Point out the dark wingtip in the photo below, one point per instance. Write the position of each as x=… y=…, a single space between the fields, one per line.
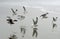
x=15 y=20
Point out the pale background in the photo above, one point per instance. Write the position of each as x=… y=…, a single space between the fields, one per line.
x=34 y=8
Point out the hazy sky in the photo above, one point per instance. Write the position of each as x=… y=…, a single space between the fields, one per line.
x=32 y=2
x=27 y=0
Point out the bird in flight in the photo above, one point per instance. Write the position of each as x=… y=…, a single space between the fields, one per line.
x=35 y=22
x=11 y=21
x=44 y=15
x=24 y=10
x=21 y=17
x=13 y=37
x=14 y=12
x=55 y=19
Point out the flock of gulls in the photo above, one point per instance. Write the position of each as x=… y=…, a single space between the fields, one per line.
x=35 y=25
